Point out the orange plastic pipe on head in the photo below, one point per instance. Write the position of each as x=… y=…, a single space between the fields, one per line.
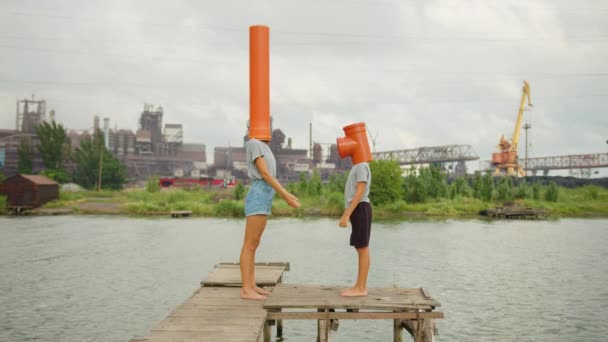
x=259 y=84
x=355 y=143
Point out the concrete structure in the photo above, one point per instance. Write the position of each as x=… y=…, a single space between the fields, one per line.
x=30 y=113
x=232 y=162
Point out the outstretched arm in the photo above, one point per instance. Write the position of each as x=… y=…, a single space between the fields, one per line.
x=289 y=198
x=353 y=204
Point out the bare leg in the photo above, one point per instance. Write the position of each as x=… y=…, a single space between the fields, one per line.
x=253 y=233
x=360 y=288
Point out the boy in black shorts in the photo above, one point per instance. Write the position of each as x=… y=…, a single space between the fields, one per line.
x=356 y=201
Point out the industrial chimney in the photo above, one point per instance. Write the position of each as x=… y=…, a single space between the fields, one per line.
x=106 y=132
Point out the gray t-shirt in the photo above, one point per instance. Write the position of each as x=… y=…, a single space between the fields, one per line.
x=256 y=149
x=358 y=173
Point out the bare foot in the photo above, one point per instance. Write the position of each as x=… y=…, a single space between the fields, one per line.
x=251 y=294
x=353 y=292
x=261 y=291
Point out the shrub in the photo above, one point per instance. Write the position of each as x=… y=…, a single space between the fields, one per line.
x=552 y=192
x=536 y=188
x=487 y=189
x=153 y=185
x=387 y=184
x=592 y=192
x=477 y=185
x=459 y=187
x=58 y=176
x=239 y=191
x=314 y=185
x=522 y=190
x=504 y=191
x=229 y=208
x=415 y=189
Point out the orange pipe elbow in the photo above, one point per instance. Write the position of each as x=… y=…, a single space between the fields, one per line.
x=355 y=143
x=259 y=83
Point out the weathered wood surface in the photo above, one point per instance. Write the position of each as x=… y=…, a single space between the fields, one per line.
x=181 y=213
x=217 y=313
x=353 y=315
x=285 y=296
x=229 y=275
x=212 y=314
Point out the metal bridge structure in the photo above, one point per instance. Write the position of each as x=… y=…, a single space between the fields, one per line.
x=445 y=155
x=429 y=155
x=575 y=163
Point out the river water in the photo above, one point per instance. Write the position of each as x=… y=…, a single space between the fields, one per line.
x=83 y=278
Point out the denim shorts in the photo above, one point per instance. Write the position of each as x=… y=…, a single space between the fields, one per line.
x=259 y=198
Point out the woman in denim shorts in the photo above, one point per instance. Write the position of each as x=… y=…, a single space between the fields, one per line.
x=261 y=167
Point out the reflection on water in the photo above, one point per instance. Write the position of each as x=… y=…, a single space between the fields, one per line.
x=112 y=278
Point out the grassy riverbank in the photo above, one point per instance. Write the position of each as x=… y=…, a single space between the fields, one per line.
x=586 y=201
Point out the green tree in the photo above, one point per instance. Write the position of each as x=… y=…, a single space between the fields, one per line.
x=87 y=157
x=337 y=181
x=459 y=187
x=387 y=184
x=536 y=188
x=552 y=192
x=54 y=145
x=239 y=191
x=487 y=189
x=504 y=191
x=303 y=185
x=25 y=157
x=153 y=184
x=521 y=191
x=415 y=186
x=314 y=185
x=477 y=185
x=2 y=177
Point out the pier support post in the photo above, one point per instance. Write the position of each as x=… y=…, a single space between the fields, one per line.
x=323 y=327
x=279 y=327
x=267 y=331
x=397 y=328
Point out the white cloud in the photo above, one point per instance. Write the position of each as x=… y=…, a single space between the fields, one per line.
x=418 y=73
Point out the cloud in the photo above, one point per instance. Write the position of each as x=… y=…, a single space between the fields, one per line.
x=418 y=73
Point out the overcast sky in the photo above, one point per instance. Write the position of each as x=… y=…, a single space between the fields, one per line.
x=419 y=73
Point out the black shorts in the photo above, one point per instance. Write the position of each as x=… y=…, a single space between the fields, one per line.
x=361 y=220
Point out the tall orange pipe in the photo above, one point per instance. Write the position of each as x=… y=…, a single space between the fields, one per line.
x=259 y=83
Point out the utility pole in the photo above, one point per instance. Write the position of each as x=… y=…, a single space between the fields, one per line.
x=310 y=141
x=101 y=150
x=527 y=126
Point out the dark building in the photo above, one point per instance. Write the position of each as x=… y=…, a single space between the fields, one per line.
x=9 y=147
x=30 y=113
x=29 y=191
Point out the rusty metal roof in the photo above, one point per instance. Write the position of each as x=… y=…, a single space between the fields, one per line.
x=40 y=180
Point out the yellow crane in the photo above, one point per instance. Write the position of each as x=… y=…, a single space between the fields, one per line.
x=506 y=160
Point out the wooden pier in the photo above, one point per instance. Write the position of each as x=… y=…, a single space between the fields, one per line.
x=181 y=213
x=215 y=312
x=515 y=213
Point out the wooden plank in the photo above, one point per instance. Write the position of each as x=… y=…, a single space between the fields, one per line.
x=230 y=275
x=352 y=315
x=284 y=264
x=316 y=296
x=197 y=336
x=212 y=314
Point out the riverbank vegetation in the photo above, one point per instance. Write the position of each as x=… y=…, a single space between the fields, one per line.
x=422 y=192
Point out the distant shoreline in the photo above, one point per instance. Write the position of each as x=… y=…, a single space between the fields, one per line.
x=222 y=203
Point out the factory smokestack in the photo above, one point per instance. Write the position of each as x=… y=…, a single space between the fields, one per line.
x=106 y=132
